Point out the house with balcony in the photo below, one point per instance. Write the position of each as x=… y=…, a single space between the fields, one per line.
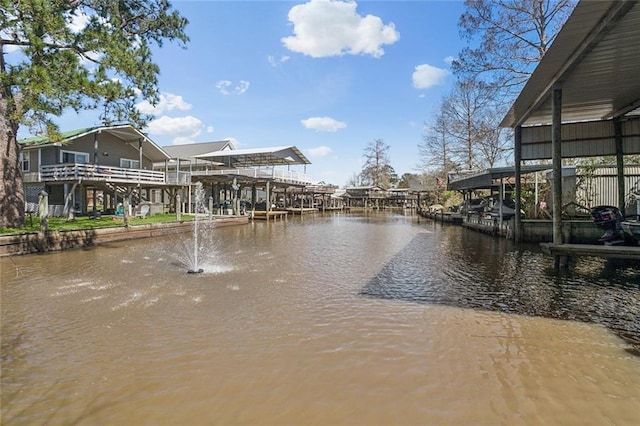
x=94 y=169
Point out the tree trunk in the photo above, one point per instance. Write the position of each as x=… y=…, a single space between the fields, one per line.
x=12 y=205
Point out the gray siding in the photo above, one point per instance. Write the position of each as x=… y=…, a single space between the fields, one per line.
x=586 y=139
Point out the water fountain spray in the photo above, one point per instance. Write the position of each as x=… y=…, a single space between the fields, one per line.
x=199 y=208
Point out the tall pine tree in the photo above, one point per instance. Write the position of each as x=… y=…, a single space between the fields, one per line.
x=58 y=55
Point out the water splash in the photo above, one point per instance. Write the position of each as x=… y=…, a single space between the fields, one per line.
x=194 y=259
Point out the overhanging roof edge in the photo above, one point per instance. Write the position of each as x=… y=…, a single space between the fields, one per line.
x=484 y=179
x=602 y=15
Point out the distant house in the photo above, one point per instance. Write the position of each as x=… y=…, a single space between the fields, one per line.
x=402 y=197
x=92 y=169
x=365 y=196
x=374 y=196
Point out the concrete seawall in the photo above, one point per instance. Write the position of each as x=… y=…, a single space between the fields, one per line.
x=37 y=242
x=533 y=230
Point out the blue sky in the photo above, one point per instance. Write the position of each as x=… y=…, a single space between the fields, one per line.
x=326 y=76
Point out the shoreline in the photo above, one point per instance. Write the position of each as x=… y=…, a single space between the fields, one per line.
x=37 y=242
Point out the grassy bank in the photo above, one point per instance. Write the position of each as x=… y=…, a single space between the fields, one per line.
x=84 y=222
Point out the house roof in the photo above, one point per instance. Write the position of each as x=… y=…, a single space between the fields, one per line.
x=126 y=132
x=44 y=140
x=187 y=151
x=276 y=156
x=595 y=58
x=365 y=188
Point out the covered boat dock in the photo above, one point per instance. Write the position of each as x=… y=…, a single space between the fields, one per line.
x=231 y=175
x=496 y=180
x=583 y=100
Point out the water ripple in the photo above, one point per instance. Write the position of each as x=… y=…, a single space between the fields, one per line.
x=506 y=278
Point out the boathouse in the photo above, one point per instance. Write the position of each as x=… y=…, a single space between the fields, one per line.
x=239 y=180
x=583 y=99
x=377 y=197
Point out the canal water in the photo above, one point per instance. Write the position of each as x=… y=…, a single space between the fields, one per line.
x=324 y=320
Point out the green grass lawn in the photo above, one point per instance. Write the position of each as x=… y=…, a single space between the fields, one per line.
x=84 y=222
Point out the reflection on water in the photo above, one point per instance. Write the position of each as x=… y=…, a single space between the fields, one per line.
x=339 y=319
x=469 y=271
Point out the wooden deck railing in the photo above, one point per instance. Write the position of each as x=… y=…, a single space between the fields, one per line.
x=93 y=172
x=75 y=171
x=284 y=176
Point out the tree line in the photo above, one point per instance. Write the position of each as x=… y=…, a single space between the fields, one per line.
x=506 y=40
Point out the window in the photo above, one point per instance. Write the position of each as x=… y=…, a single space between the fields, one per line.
x=126 y=163
x=156 y=196
x=74 y=157
x=24 y=162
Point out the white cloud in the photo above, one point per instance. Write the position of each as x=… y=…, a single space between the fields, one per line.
x=210 y=129
x=167 y=102
x=227 y=87
x=323 y=124
x=183 y=129
x=78 y=22
x=324 y=28
x=321 y=151
x=449 y=60
x=426 y=76
x=182 y=140
x=275 y=62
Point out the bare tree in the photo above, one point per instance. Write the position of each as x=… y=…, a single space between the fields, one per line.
x=465 y=132
x=513 y=36
x=435 y=149
x=464 y=114
x=377 y=169
x=354 y=180
x=495 y=143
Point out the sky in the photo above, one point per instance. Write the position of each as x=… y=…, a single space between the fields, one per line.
x=327 y=76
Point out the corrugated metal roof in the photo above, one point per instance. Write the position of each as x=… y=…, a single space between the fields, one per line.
x=125 y=132
x=191 y=150
x=276 y=156
x=485 y=179
x=44 y=140
x=596 y=59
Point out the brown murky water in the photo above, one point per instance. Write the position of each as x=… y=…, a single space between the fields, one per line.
x=327 y=320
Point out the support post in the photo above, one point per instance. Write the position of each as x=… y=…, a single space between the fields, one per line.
x=617 y=129
x=216 y=197
x=517 y=154
x=556 y=149
x=268 y=199
x=254 y=198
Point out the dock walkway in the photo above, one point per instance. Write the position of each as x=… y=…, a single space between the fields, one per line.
x=301 y=211
x=596 y=250
x=273 y=214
